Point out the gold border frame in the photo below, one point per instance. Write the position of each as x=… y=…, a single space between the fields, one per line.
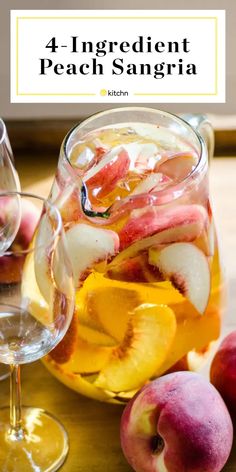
x=117 y=18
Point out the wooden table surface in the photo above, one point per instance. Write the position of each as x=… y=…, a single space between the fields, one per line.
x=93 y=427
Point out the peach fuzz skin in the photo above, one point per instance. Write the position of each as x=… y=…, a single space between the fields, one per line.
x=154 y=221
x=190 y=419
x=223 y=372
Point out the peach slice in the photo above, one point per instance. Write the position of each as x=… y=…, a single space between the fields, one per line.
x=111 y=307
x=187 y=268
x=86 y=154
x=66 y=194
x=152 y=183
x=51 y=310
x=135 y=269
x=153 y=221
x=76 y=382
x=196 y=359
x=143 y=155
x=52 y=271
x=185 y=223
x=88 y=245
x=91 y=329
x=105 y=305
x=96 y=336
x=68 y=202
x=177 y=166
x=192 y=333
x=148 y=338
x=87 y=358
x=110 y=169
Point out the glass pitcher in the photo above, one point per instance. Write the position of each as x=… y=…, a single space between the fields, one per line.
x=132 y=188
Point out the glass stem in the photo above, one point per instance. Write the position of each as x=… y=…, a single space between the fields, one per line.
x=16 y=431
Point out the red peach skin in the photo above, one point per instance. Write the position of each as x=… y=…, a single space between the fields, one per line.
x=107 y=178
x=223 y=372
x=135 y=269
x=183 y=414
x=88 y=245
x=154 y=221
x=177 y=166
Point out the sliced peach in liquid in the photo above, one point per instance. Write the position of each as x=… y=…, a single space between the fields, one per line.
x=192 y=333
x=188 y=269
x=148 y=338
x=105 y=305
x=96 y=335
x=150 y=221
x=177 y=166
x=76 y=382
x=108 y=174
x=135 y=269
x=87 y=358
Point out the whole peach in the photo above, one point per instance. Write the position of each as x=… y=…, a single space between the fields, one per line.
x=223 y=371
x=177 y=423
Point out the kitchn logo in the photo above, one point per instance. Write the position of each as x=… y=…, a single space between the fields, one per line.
x=114 y=93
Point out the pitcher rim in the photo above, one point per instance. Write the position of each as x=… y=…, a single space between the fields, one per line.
x=176 y=188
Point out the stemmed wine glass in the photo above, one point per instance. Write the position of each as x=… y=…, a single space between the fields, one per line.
x=9 y=180
x=36 y=308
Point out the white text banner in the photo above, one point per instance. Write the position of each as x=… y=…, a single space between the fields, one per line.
x=117 y=56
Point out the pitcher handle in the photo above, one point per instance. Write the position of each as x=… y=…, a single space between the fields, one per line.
x=202 y=124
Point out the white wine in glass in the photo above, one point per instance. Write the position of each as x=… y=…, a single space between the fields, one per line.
x=36 y=308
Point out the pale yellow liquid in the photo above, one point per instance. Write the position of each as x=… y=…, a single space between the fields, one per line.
x=106 y=349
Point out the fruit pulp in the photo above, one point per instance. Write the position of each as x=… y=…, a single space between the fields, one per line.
x=152 y=302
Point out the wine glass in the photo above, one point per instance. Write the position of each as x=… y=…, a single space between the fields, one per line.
x=36 y=308
x=9 y=180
